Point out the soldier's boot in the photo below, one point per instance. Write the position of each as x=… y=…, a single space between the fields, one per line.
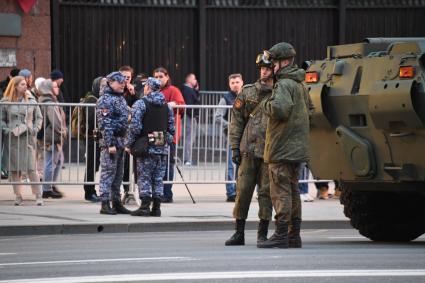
x=238 y=238
x=279 y=239
x=263 y=228
x=119 y=208
x=156 y=207
x=294 y=235
x=144 y=209
x=106 y=208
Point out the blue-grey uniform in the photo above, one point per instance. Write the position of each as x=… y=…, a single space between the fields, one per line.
x=112 y=118
x=153 y=117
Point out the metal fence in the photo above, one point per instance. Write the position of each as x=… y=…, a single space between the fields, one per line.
x=202 y=156
x=202 y=153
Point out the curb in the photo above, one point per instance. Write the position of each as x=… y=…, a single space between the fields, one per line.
x=95 y=228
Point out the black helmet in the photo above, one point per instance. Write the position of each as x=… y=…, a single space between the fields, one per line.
x=260 y=62
x=280 y=51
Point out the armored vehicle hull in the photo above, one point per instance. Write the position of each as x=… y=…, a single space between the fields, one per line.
x=368 y=131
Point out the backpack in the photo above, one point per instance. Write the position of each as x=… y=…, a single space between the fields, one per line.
x=78 y=117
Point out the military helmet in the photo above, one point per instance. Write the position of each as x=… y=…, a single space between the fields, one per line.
x=261 y=62
x=280 y=51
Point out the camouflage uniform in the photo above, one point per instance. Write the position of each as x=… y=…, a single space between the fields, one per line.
x=112 y=116
x=150 y=168
x=247 y=133
x=287 y=141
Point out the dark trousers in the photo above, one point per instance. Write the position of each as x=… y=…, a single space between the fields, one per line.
x=126 y=176
x=169 y=173
x=93 y=158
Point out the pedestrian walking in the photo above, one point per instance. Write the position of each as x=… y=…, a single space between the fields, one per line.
x=153 y=120
x=287 y=144
x=20 y=124
x=190 y=91
x=222 y=120
x=247 y=135
x=112 y=119
x=53 y=135
x=173 y=97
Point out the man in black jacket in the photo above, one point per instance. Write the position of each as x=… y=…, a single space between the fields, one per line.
x=190 y=91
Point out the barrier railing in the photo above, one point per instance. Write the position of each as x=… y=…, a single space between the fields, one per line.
x=202 y=154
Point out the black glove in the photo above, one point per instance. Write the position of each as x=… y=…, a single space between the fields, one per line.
x=236 y=156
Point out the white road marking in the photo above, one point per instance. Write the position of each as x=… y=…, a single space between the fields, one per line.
x=151 y=259
x=347 y=237
x=229 y=275
x=7 y=254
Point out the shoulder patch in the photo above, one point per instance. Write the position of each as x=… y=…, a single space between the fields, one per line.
x=238 y=103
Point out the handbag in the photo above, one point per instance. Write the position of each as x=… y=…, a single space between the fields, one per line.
x=140 y=147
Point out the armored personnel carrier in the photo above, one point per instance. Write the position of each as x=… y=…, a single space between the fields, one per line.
x=368 y=131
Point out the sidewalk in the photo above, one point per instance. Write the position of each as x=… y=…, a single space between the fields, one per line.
x=73 y=215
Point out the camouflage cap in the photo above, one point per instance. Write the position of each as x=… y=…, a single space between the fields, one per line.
x=260 y=61
x=280 y=51
x=115 y=76
x=154 y=84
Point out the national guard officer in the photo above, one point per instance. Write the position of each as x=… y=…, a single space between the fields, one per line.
x=154 y=119
x=287 y=144
x=112 y=116
x=247 y=135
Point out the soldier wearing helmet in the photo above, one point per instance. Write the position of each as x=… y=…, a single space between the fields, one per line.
x=247 y=136
x=287 y=144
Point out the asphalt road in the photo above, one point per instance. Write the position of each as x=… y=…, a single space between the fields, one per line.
x=327 y=256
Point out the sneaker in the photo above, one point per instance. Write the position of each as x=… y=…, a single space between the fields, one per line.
x=188 y=163
x=39 y=201
x=93 y=198
x=308 y=198
x=18 y=200
x=56 y=190
x=4 y=174
x=231 y=199
x=51 y=194
x=166 y=200
x=303 y=197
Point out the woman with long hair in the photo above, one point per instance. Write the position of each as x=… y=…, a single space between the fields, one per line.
x=20 y=124
x=173 y=97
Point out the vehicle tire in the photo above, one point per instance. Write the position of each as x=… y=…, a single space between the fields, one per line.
x=385 y=216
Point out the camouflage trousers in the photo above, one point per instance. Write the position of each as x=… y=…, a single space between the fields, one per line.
x=111 y=173
x=150 y=172
x=284 y=191
x=252 y=172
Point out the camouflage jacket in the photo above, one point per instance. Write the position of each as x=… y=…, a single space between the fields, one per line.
x=112 y=118
x=248 y=125
x=287 y=136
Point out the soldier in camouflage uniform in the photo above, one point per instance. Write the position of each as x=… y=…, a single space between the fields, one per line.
x=287 y=144
x=151 y=117
x=247 y=135
x=112 y=119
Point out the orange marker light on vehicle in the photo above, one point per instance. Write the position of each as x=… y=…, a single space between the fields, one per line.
x=407 y=72
x=311 y=77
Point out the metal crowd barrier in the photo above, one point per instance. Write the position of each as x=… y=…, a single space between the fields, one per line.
x=208 y=147
x=202 y=153
x=210 y=97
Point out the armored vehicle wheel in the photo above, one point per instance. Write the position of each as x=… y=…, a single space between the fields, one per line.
x=385 y=216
